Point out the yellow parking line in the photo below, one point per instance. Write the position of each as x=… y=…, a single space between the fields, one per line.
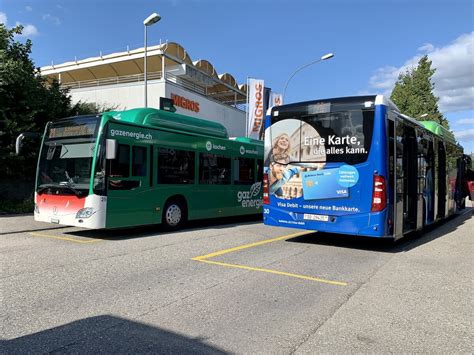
x=246 y=246
x=64 y=238
x=204 y=259
x=317 y=279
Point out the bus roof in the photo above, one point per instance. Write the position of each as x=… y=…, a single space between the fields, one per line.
x=439 y=130
x=247 y=140
x=150 y=117
x=361 y=100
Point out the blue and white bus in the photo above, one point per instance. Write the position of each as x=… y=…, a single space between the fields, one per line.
x=356 y=165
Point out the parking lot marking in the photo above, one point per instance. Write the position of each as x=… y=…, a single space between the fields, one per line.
x=74 y=240
x=246 y=246
x=310 y=278
x=205 y=259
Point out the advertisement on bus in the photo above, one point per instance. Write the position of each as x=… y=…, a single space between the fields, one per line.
x=313 y=161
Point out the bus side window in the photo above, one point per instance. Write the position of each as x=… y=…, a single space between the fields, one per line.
x=214 y=169
x=244 y=171
x=259 y=176
x=175 y=166
x=139 y=161
x=120 y=167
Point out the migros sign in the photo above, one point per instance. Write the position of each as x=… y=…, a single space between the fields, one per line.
x=258 y=112
x=185 y=103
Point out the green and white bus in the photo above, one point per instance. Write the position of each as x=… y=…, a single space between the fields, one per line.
x=144 y=166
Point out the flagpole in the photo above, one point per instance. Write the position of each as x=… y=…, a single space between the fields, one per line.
x=247 y=111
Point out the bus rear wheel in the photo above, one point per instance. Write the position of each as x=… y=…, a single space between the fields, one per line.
x=174 y=214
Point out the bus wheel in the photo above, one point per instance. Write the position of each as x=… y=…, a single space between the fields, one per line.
x=174 y=214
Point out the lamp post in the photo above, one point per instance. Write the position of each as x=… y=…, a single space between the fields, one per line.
x=324 y=57
x=149 y=21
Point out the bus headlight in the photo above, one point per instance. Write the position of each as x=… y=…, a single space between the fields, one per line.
x=85 y=212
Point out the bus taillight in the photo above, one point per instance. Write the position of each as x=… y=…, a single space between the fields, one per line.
x=379 y=196
x=266 y=197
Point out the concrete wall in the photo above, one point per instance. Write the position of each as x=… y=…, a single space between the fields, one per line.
x=126 y=96
x=130 y=95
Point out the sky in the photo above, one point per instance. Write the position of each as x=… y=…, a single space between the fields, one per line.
x=372 y=41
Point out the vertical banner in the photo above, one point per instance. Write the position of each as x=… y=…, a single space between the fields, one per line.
x=255 y=107
x=276 y=99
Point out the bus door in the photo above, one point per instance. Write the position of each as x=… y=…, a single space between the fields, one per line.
x=214 y=191
x=128 y=187
x=430 y=177
x=406 y=188
x=391 y=173
x=410 y=193
x=441 y=170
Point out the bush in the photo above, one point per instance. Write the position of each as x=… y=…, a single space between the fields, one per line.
x=17 y=206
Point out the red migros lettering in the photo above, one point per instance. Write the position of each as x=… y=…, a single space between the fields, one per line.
x=185 y=103
x=258 y=112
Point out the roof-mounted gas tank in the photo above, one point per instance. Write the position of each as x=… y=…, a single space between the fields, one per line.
x=169 y=120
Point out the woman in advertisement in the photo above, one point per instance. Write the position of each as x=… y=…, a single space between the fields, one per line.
x=280 y=146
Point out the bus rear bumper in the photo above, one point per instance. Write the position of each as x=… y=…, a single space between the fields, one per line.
x=361 y=224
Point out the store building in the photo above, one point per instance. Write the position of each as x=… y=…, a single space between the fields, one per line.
x=118 y=80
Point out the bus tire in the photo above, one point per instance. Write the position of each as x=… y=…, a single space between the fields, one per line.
x=174 y=214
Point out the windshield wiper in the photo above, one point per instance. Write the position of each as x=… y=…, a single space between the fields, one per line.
x=43 y=187
x=69 y=186
x=61 y=185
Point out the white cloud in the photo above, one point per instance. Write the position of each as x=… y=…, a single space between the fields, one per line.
x=466 y=121
x=52 y=19
x=28 y=8
x=28 y=30
x=465 y=135
x=427 y=47
x=453 y=79
x=3 y=18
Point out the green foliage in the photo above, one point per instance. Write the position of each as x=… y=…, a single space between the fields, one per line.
x=413 y=93
x=27 y=102
x=87 y=108
x=17 y=206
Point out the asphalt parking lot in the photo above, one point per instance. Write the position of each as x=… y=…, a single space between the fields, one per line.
x=234 y=286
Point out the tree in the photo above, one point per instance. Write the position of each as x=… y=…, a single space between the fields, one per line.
x=413 y=93
x=86 y=108
x=27 y=102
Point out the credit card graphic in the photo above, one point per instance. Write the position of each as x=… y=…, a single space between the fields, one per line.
x=322 y=184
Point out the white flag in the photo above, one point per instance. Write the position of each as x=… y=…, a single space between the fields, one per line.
x=255 y=108
x=276 y=99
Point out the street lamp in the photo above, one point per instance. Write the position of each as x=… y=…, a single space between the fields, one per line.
x=324 y=57
x=149 y=21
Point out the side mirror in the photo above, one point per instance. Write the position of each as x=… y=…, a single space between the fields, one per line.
x=110 y=149
x=21 y=137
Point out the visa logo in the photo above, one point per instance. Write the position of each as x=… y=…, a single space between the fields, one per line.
x=341 y=192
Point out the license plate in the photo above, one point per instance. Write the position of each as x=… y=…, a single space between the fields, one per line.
x=56 y=221
x=316 y=217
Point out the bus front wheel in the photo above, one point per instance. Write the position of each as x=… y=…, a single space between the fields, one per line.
x=174 y=214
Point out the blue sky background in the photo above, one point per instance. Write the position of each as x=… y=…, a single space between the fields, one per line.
x=372 y=41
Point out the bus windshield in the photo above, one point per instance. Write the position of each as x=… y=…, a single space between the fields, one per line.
x=322 y=135
x=66 y=156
